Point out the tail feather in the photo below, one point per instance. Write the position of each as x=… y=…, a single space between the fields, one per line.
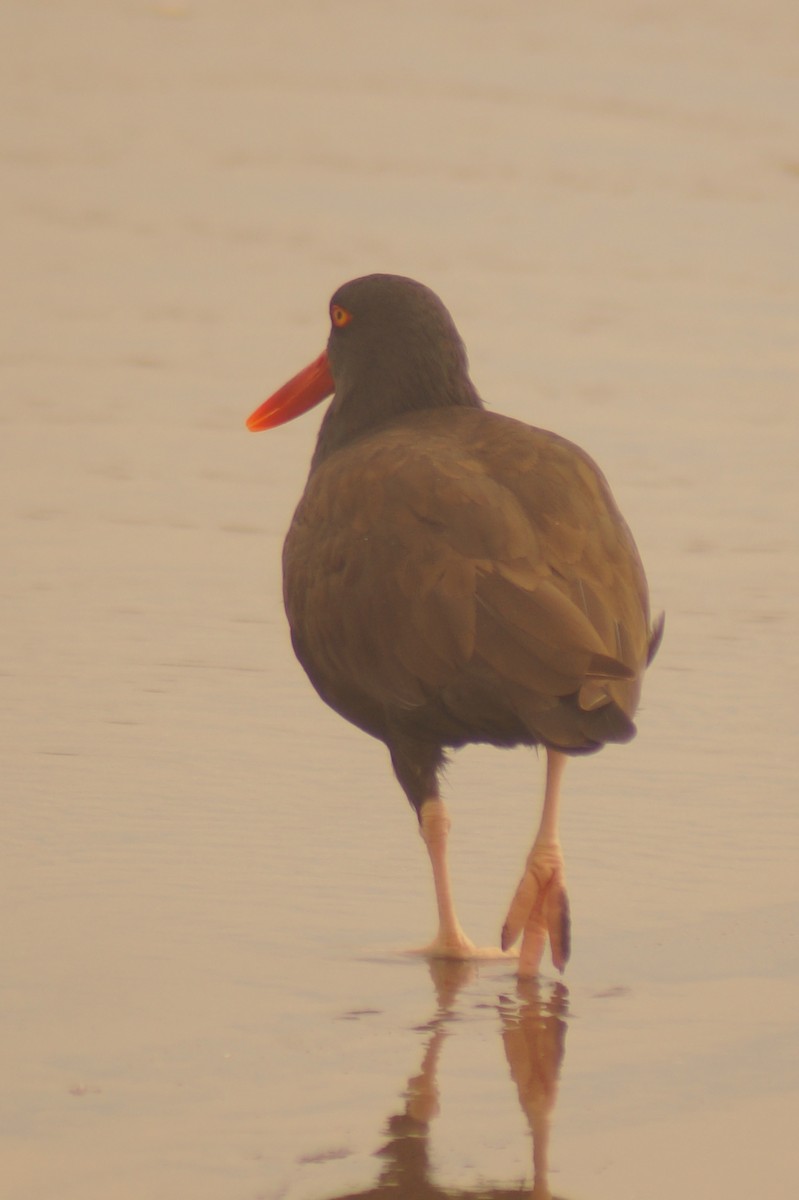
x=564 y=725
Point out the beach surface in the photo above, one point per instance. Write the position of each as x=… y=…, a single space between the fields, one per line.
x=208 y=879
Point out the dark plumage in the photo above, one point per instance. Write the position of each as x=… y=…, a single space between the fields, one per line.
x=452 y=575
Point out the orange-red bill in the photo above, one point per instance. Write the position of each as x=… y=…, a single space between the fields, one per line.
x=306 y=389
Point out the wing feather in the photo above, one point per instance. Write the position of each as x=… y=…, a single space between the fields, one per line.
x=485 y=547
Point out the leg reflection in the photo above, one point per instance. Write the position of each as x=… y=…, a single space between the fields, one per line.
x=533 y=1028
x=534 y=1035
x=407 y=1168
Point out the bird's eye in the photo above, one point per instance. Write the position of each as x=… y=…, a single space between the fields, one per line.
x=339 y=316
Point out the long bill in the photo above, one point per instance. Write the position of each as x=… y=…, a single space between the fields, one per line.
x=308 y=388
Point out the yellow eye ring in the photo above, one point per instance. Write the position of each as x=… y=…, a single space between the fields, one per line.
x=339 y=316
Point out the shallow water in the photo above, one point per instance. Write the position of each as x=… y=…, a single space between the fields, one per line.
x=207 y=878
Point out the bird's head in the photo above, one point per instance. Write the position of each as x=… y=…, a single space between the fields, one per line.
x=393 y=348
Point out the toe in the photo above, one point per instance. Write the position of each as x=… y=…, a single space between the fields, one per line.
x=540 y=907
x=533 y=943
x=521 y=906
x=559 y=924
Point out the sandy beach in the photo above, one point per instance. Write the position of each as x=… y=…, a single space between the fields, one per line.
x=207 y=878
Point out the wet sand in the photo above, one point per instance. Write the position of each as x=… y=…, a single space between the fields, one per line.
x=207 y=877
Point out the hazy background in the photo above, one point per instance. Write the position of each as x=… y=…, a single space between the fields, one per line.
x=206 y=875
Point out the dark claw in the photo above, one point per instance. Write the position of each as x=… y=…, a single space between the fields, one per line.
x=560 y=926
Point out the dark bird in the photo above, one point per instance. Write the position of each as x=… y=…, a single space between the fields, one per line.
x=453 y=576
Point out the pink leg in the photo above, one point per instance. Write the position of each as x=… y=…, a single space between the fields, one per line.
x=450 y=941
x=540 y=906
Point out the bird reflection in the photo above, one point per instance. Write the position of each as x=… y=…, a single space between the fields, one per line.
x=533 y=1028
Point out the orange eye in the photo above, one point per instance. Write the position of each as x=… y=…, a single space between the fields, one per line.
x=339 y=316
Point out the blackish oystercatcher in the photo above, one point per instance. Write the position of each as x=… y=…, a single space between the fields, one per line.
x=453 y=576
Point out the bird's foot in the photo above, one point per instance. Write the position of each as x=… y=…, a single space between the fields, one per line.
x=455 y=945
x=540 y=909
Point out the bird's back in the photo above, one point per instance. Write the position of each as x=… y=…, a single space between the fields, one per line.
x=461 y=576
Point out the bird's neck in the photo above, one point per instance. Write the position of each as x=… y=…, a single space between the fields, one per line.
x=357 y=411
